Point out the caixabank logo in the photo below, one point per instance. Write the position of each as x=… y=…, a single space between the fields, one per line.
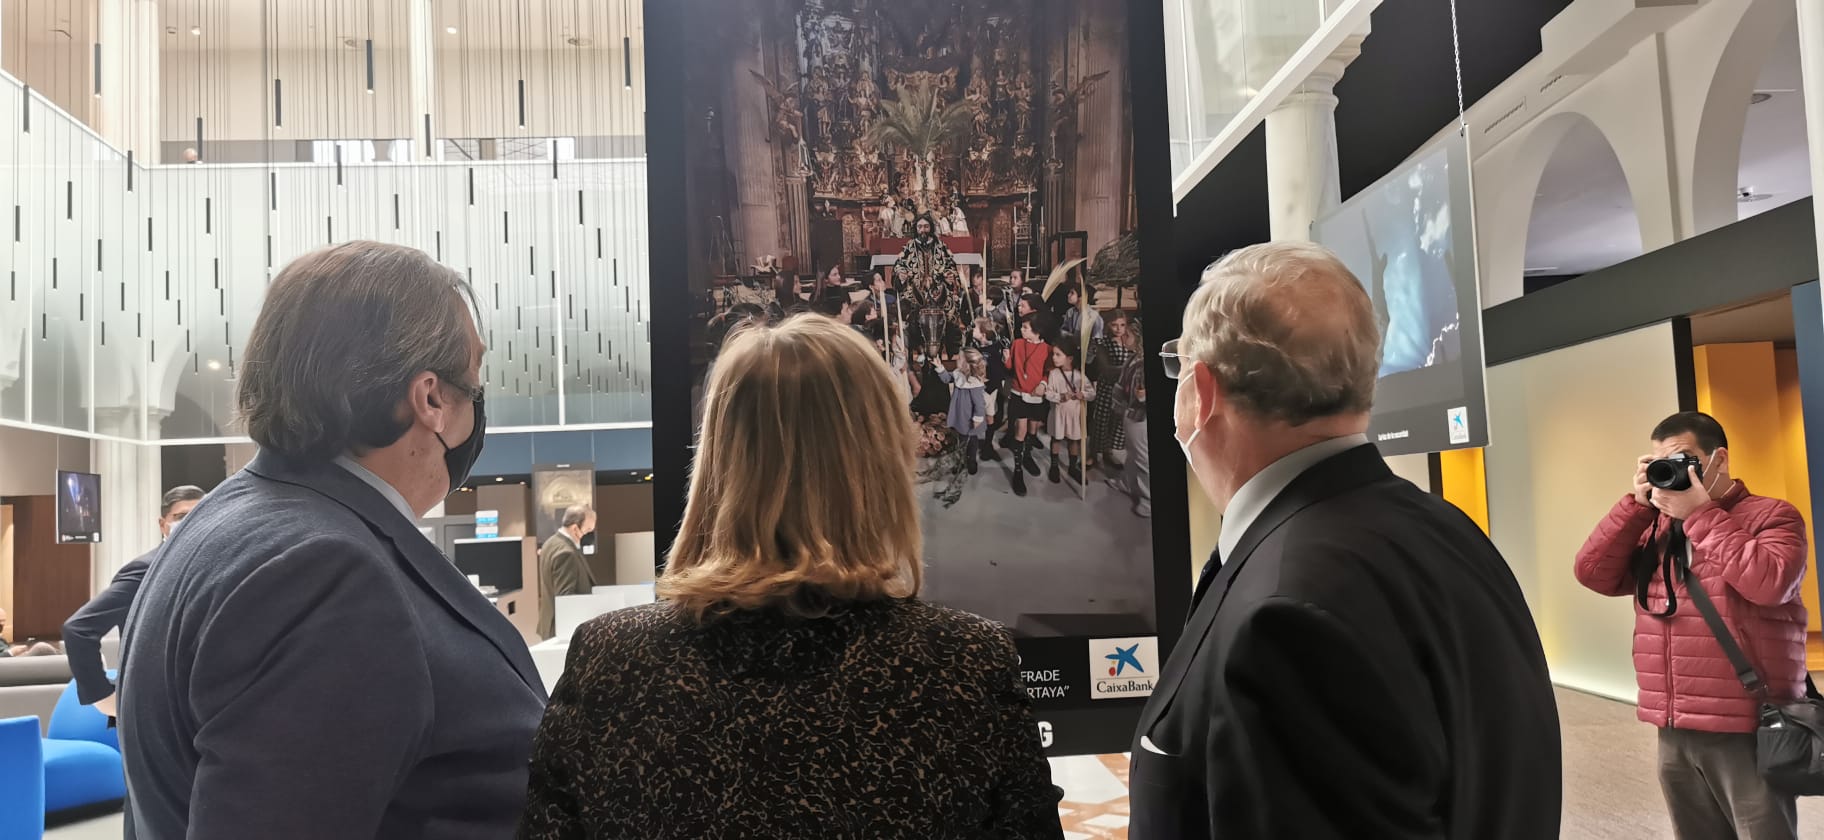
x=1123 y=668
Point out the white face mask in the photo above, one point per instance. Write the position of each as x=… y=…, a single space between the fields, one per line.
x=1185 y=444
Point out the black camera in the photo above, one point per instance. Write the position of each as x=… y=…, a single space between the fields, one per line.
x=1673 y=473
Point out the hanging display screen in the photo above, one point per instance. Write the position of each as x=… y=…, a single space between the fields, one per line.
x=1411 y=240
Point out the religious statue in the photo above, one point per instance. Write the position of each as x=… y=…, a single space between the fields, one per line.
x=1066 y=101
x=825 y=177
x=978 y=167
x=927 y=274
x=863 y=94
x=819 y=92
x=959 y=222
x=1022 y=101
x=1024 y=158
x=868 y=170
x=977 y=97
x=787 y=116
x=889 y=214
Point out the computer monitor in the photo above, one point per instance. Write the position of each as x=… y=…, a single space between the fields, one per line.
x=78 y=507
x=497 y=562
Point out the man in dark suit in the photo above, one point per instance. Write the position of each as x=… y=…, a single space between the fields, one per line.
x=301 y=662
x=1359 y=661
x=562 y=568
x=108 y=609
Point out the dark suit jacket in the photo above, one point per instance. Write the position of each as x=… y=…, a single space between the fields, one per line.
x=562 y=570
x=886 y=720
x=104 y=612
x=302 y=663
x=1364 y=666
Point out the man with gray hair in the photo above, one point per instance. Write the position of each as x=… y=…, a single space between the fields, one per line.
x=1359 y=661
x=562 y=568
x=245 y=711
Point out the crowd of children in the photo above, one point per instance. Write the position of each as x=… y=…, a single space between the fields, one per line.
x=1019 y=367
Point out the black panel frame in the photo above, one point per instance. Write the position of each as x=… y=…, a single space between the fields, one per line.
x=1107 y=726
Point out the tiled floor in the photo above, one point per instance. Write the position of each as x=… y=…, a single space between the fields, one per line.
x=1610 y=788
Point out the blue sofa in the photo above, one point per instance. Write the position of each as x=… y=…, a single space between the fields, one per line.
x=76 y=765
x=82 y=764
x=22 y=778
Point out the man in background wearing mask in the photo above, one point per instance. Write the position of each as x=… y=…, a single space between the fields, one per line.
x=562 y=568
x=1359 y=661
x=1749 y=553
x=302 y=662
x=108 y=609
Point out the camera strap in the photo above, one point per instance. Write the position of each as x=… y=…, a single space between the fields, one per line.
x=1670 y=564
x=1744 y=670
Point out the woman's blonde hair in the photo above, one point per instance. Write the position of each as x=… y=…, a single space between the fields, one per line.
x=801 y=495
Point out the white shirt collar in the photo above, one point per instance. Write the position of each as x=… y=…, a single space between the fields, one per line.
x=354 y=468
x=1254 y=496
x=566 y=535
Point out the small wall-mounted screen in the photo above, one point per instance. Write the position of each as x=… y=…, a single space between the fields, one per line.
x=498 y=562
x=78 y=507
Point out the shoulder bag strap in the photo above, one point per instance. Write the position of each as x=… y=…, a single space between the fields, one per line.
x=1744 y=670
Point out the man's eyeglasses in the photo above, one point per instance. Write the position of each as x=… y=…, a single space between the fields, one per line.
x=475 y=393
x=1174 y=361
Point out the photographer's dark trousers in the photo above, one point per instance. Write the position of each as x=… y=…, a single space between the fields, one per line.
x=1714 y=792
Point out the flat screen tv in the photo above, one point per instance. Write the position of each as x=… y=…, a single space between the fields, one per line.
x=78 y=507
x=1411 y=240
x=497 y=562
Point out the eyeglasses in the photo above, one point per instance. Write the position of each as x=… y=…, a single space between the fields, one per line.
x=475 y=393
x=1174 y=361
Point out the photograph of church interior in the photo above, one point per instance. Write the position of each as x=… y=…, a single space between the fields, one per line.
x=610 y=189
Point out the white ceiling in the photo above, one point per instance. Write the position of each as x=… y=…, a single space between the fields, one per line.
x=1583 y=218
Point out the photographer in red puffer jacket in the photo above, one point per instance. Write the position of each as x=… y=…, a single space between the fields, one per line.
x=1749 y=552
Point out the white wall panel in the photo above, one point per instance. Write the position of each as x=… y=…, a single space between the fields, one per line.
x=1567 y=427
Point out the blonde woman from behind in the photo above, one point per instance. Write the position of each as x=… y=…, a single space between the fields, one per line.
x=789 y=683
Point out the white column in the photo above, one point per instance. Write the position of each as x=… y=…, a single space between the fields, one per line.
x=1811 y=60
x=1301 y=148
x=126 y=110
x=130 y=494
x=423 y=70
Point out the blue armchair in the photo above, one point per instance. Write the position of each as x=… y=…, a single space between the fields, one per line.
x=22 y=779
x=81 y=757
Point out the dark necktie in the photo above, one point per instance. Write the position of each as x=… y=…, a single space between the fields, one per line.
x=1210 y=568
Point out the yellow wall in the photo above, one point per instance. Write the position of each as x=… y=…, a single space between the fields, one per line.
x=1753 y=390
x=1465 y=479
x=1206 y=524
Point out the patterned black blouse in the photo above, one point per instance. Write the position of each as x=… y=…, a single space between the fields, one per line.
x=889 y=720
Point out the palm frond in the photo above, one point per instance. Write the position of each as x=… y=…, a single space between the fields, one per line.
x=920 y=122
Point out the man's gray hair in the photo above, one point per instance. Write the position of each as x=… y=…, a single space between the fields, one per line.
x=1289 y=333
x=577 y=515
x=338 y=341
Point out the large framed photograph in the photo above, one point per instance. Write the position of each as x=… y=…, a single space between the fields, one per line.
x=957 y=182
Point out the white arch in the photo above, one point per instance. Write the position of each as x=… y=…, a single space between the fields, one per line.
x=1716 y=157
x=1506 y=190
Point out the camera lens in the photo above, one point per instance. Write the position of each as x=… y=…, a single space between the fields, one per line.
x=1668 y=474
